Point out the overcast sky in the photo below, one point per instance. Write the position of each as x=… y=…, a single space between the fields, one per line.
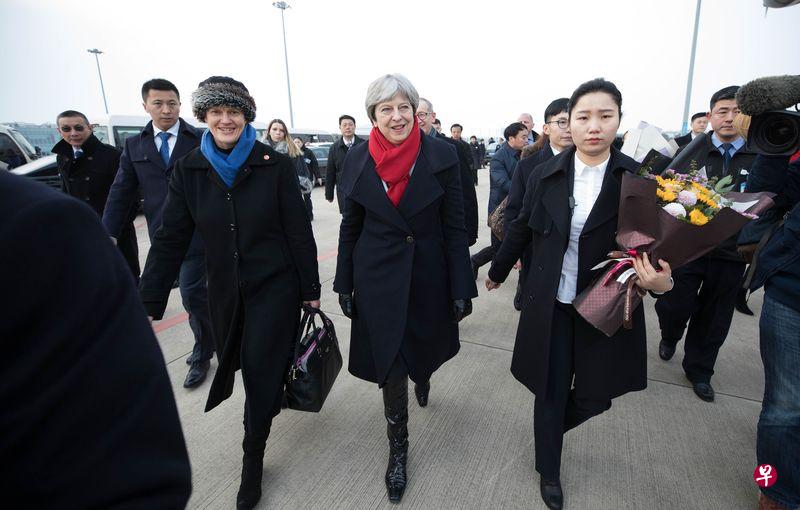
x=480 y=63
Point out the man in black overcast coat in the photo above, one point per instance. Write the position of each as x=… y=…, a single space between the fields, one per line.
x=336 y=155
x=87 y=168
x=89 y=418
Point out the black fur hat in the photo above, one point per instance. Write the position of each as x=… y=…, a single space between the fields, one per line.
x=222 y=91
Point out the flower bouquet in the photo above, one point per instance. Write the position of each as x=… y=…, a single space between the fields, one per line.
x=673 y=216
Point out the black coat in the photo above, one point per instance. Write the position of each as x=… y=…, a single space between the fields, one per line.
x=604 y=367
x=468 y=194
x=711 y=158
x=519 y=183
x=311 y=163
x=475 y=152
x=404 y=264
x=88 y=416
x=684 y=139
x=141 y=168
x=89 y=180
x=260 y=253
x=501 y=171
x=333 y=172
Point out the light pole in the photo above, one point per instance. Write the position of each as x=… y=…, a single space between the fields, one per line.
x=685 y=126
x=102 y=88
x=283 y=6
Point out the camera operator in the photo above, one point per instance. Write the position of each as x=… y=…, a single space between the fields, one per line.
x=773 y=242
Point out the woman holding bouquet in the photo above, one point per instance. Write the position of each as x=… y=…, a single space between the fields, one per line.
x=569 y=215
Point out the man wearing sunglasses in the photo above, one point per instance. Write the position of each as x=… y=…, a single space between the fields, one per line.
x=87 y=168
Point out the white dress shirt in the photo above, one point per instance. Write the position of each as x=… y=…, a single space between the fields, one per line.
x=171 y=141
x=588 y=183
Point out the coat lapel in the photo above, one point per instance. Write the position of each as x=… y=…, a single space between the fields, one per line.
x=185 y=143
x=423 y=188
x=368 y=191
x=149 y=147
x=606 y=207
x=555 y=197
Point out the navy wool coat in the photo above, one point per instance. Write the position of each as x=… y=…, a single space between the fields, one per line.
x=404 y=264
x=604 y=367
x=88 y=416
x=261 y=259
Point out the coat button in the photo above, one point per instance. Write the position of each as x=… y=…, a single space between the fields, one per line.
x=228 y=196
x=236 y=254
x=243 y=284
x=86 y=178
x=541 y=268
x=233 y=227
x=410 y=239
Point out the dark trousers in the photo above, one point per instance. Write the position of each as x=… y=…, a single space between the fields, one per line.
x=194 y=295
x=704 y=297
x=486 y=255
x=309 y=206
x=560 y=410
x=129 y=247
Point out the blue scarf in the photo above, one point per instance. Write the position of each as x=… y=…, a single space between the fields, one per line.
x=227 y=166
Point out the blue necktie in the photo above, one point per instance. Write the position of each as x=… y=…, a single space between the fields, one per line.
x=726 y=154
x=164 y=151
x=78 y=153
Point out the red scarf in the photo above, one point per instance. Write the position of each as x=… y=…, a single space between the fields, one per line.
x=393 y=163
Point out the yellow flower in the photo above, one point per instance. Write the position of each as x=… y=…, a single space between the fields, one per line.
x=666 y=195
x=696 y=217
x=708 y=201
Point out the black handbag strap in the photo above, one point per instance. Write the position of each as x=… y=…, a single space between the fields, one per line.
x=751 y=271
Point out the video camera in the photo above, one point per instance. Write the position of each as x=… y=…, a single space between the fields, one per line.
x=773 y=129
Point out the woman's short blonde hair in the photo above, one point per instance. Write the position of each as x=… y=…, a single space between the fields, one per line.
x=387 y=87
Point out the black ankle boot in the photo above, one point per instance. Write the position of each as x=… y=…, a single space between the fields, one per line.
x=421 y=391
x=252 y=468
x=395 y=400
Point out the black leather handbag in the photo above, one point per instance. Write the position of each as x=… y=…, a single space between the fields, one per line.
x=315 y=364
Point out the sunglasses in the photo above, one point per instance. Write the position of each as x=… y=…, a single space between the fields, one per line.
x=67 y=129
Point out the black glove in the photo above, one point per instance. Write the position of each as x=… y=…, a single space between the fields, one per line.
x=348 y=305
x=461 y=308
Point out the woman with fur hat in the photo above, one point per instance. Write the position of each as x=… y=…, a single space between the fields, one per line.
x=243 y=199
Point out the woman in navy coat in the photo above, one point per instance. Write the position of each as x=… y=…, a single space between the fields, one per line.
x=403 y=271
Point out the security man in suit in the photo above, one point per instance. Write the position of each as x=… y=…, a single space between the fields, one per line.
x=147 y=162
x=87 y=168
x=699 y=125
x=336 y=155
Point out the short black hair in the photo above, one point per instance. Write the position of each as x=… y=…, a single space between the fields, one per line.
x=473 y=137
x=722 y=94
x=556 y=107
x=437 y=121
x=596 y=85
x=514 y=129
x=698 y=115
x=71 y=113
x=158 y=84
x=459 y=126
x=346 y=117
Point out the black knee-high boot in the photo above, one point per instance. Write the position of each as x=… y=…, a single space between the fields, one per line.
x=395 y=402
x=252 y=466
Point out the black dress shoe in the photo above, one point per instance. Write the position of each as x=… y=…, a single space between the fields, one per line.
x=666 y=350
x=704 y=391
x=741 y=303
x=551 y=492
x=197 y=374
x=421 y=392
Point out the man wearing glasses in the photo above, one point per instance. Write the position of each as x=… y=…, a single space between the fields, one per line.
x=87 y=168
x=427 y=118
x=558 y=139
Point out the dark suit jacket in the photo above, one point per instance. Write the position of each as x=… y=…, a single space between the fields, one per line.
x=501 y=170
x=684 y=139
x=141 y=166
x=468 y=193
x=711 y=158
x=333 y=172
x=604 y=367
x=88 y=416
x=519 y=183
x=405 y=265
x=89 y=180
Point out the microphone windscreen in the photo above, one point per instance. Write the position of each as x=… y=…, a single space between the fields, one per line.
x=769 y=93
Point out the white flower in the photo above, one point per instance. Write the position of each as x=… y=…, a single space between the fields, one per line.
x=687 y=198
x=675 y=209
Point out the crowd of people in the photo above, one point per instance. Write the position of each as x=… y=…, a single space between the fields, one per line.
x=229 y=219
